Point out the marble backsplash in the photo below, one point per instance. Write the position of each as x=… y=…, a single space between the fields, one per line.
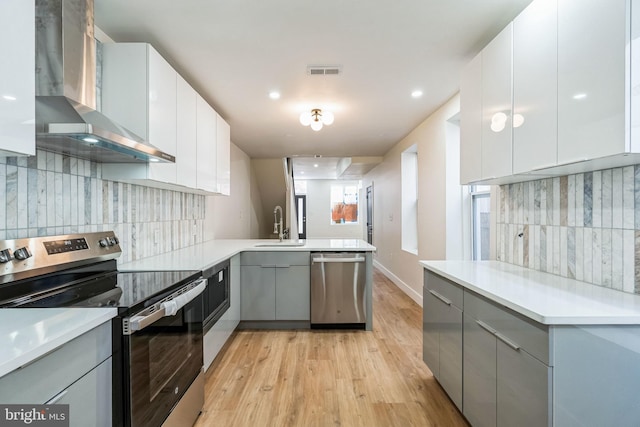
x=584 y=226
x=51 y=194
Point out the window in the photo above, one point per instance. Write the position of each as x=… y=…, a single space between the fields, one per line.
x=481 y=221
x=409 y=185
x=344 y=204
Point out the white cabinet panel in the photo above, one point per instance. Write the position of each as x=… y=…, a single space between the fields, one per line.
x=223 y=156
x=162 y=113
x=471 y=121
x=17 y=78
x=496 y=105
x=206 y=133
x=535 y=87
x=591 y=79
x=139 y=92
x=186 y=151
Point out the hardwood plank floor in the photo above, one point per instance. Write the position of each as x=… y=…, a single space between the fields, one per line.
x=330 y=378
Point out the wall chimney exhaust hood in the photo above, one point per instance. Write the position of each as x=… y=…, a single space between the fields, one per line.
x=66 y=117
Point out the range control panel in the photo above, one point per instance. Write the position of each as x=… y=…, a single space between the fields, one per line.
x=23 y=257
x=68 y=245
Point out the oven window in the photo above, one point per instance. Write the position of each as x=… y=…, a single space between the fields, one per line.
x=165 y=358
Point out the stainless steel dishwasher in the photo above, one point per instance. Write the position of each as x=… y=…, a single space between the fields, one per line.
x=337 y=290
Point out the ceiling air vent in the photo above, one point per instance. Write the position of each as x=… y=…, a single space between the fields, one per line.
x=324 y=70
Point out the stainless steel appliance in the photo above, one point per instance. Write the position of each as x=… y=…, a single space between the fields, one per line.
x=338 y=290
x=67 y=120
x=217 y=295
x=157 y=339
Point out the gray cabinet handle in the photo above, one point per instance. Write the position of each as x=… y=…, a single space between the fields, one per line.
x=440 y=297
x=268 y=266
x=507 y=341
x=486 y=327
x=283 y=265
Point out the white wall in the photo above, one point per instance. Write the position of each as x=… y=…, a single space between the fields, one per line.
x=319 y=224
x=231 y=217
x=402 y=266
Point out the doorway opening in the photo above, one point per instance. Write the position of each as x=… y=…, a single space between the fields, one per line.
x=370 y=214
x=301 y=210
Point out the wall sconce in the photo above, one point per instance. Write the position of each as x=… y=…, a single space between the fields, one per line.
x=316 y=118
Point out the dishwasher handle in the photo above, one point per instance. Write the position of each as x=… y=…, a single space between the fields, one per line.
x=321 y=260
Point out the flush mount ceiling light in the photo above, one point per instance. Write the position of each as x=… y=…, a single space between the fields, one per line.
x=316 y=118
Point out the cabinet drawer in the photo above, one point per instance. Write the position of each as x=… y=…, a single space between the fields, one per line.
x=49 y=375
x=273 y=259
x=444 y=288
x=531 y=336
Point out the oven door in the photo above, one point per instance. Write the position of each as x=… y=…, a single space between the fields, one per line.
x=164 y=358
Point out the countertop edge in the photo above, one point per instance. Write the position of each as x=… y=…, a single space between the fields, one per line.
x=100 y=316
x=546 y=319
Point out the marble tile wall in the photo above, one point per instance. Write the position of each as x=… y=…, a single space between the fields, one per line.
x=51 y=194
x=584 y=226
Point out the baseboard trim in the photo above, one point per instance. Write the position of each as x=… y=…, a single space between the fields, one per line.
x=399 y=283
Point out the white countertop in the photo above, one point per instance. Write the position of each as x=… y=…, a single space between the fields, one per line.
x=28 y=333
x=543 y=297
x=208 y=254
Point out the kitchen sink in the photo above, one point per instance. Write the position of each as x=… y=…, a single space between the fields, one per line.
x=279 y=244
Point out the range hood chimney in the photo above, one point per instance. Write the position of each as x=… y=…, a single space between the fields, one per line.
x=66 y=117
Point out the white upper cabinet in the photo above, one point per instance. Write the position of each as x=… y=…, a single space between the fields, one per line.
x=592 y=43
x=471 y=121
x=223 y=156
x=535 y=87
x=139 y=92
x=186 y=151
x=496 y=105
x=17 y=78
x=206 y=134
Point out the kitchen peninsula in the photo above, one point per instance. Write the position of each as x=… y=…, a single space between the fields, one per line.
x=508 y=343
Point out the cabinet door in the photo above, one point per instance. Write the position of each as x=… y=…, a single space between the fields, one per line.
x=471 y=121
x=430 y=332
x=258 y=293
x=89 y=398
x=592 y=37
x=535 y=87
x=223 y=156
x=496 y=105
x=479 y=372
x=206 y=146
x=17 y=78
x=162 y=114
x=293 y=293
x=451 y=352
x=523 y=388
x=186 y=150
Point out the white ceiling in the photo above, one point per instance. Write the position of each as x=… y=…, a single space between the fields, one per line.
x=234 y=52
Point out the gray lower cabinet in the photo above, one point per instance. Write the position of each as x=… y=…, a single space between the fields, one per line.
x=504 y=385
x=442 y=334
x=275 y=286
x=77 y=373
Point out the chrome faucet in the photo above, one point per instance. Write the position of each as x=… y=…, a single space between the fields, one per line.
x=277 y=226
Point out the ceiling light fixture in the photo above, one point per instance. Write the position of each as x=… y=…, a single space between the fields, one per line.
x=316 y=118
x=416 y=93
x=274 y=95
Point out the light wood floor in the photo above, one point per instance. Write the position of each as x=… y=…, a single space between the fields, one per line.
x=335 y=378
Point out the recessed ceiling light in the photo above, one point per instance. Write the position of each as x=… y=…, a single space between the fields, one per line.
x=416 y=93
x=9 y=97
x=315 y=165
x=154 y=160
x=91 y=140
x=274 y=95
x=580 y=96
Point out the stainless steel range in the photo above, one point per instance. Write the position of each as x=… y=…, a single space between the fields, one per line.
x=157 y=340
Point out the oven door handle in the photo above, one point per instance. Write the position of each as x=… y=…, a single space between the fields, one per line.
x=167 y=308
